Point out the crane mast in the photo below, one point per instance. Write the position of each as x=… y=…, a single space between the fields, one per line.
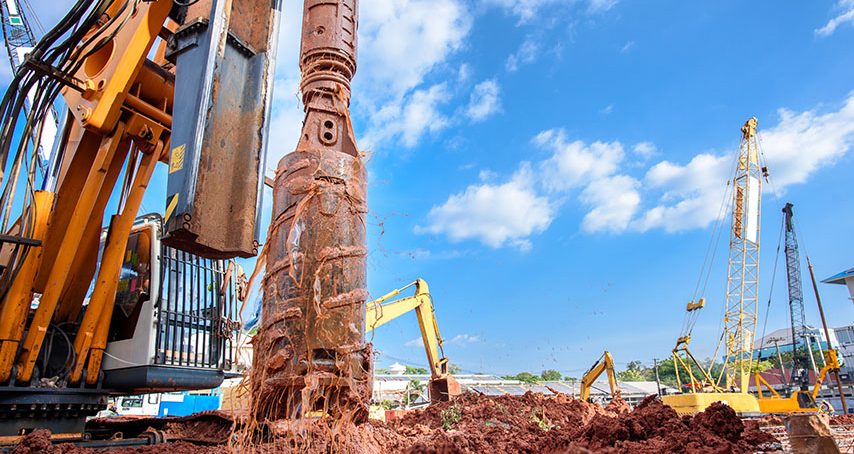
x=743 y=269
x=800 y=375
x=20 y=40
x=17 y=32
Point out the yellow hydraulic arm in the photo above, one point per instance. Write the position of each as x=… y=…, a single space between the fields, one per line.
x=379 y=312
x=605 y=363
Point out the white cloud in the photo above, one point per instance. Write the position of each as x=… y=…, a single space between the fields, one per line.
x=691 y=194
x=845 y=15
x=495 y=214
x=615 y=200
x=575 y=163
x=607 y=109
x=795 y=148
x=645 y=149
x=486 y=175
x=418 y=342
x=670 y=196
x=526 y=54
x=400 y=41
x=801 y=143
x=463 y=339
x=410 y=118
x=464 y=73
x=525 y=9
x=599 y=6
x=485 y=100
x=627 y=47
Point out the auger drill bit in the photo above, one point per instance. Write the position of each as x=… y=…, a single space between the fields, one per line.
x=311 y=355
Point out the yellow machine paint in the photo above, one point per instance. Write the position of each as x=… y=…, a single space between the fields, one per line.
x=380 y=312
x=689 y=403
x=605 y=363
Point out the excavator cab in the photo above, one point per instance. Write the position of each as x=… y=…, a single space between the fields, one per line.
x=174 y=319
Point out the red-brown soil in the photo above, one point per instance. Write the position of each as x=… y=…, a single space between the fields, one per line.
x=841 y=420
x=478 y=424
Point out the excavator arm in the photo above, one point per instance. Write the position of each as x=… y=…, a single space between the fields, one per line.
x=381 y=311
x=605 y=363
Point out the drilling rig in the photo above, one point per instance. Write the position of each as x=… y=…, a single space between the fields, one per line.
x=146 y=304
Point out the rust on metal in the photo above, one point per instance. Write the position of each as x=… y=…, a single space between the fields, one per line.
x=310 y=353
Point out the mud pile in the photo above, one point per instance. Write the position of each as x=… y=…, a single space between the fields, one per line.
x=842 y=420
x=533 y=423
x=475 y=424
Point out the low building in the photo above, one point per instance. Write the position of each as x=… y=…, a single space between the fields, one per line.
x=394 y=387
x=843 y=278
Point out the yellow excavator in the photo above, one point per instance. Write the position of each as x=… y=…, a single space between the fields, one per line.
x=380 y=311
x=605 y=363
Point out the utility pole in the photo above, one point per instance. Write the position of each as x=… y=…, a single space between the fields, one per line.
x=827 y=336
x=657 y=380
x=776 y=341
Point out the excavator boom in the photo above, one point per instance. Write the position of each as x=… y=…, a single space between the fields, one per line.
x=381 y=311
x=605 y=363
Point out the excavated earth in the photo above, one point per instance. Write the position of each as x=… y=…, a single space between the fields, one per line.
x=479 y=424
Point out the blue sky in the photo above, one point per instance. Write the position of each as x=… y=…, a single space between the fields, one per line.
x=553 y=168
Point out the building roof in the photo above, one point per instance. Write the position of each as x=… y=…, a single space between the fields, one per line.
x=839 y=278
x=638 y=389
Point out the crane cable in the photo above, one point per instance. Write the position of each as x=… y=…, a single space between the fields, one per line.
x=773 y=280
x=61 y=48
x=691 y=317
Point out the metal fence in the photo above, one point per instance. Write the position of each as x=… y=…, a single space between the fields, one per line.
x=197 y=311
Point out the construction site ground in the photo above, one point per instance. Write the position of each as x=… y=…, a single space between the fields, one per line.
x=476 y=424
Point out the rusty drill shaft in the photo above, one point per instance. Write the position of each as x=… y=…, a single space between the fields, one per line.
x=312 y=354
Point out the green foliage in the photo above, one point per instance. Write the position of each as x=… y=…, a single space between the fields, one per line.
x=631 y=375
x=454 y=369
x=543 y=423
x=761 y=366
x=525 y=377
x=388 y=405
x=451 y=416
x=550 y=375
x=414 y=390
x=415 y=370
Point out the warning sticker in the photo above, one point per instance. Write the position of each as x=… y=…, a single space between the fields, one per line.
x=170 y=207
x=176 y=161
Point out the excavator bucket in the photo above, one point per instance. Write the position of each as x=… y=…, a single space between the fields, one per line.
x=443 y=389
x=225 y=60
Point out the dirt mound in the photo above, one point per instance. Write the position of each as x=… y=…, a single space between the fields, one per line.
x=38 y=441
x=476 y=424
x=770 y=420
x=841 y=420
